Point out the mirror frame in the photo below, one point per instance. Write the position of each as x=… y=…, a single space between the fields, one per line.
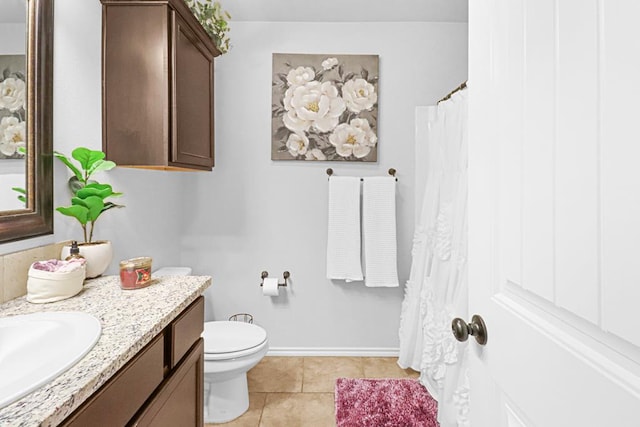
x=37 y=219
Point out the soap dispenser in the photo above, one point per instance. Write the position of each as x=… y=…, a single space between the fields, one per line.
x=74 y=252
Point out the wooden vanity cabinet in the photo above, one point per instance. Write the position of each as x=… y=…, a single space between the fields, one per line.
x=161 y=386
x=173 y=404
x=122 y=396
x=158 y=105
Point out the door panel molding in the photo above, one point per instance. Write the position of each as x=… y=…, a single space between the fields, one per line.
x=603 y=352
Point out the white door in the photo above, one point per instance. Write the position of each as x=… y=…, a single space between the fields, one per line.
x=554 y=212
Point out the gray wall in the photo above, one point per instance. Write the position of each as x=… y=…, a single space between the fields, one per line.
x=253 y=214
x=150 y=223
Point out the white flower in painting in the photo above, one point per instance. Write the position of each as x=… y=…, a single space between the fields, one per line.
x=12 y=94
x=12 y=135
x=313 y=104
x=329 y=63
x=315 y=154
x=297 y=144
x=370 y=136
x=291 y=119
x=295 y=123
x=355 y=138
x=359 y=95
x=300 y=76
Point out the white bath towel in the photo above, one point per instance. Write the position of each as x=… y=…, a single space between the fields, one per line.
x=379 y=231
x=343 y=243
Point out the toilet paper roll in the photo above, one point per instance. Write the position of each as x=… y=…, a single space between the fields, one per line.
x=270 y=286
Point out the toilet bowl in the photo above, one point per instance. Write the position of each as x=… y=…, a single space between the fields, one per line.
x=230 y=350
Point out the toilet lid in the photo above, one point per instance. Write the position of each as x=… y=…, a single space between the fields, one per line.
x=228 y=337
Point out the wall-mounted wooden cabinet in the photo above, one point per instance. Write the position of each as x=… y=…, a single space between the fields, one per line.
x=157 y=89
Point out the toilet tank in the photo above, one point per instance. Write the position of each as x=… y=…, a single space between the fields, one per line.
x=172 y=271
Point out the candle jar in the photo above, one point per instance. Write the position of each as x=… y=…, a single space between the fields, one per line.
x=135 y=273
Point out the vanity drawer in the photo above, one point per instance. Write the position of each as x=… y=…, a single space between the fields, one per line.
x=185 y=331
x=121 y=397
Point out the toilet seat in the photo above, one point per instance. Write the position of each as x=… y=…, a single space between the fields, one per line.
x=228 y=340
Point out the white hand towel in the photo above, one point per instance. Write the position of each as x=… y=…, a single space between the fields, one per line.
x=343 y=243
x=379 y=231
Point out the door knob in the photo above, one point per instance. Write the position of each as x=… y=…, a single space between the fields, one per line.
x=477 y=328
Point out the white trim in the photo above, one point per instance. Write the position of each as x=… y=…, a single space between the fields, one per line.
x=334 y=351
x=583 y=344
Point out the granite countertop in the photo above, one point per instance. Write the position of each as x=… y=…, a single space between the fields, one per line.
x=130 y=319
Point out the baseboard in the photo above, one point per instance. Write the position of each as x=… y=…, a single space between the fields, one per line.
x=334 y=351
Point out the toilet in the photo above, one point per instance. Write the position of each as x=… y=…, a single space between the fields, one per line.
x=230 y=350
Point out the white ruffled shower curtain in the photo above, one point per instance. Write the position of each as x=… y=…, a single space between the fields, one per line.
x=436 y=291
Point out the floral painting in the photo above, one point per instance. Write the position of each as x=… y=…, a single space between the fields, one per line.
x=324 y=107
x=13 y=96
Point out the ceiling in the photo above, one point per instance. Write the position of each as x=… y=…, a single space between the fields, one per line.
x=316 y=10
x=347 y=10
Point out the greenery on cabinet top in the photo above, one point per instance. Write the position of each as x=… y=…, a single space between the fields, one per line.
x=214 y=20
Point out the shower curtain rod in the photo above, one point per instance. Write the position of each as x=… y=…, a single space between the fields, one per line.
x=459 y=88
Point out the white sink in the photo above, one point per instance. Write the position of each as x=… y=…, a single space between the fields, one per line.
x=36 y=348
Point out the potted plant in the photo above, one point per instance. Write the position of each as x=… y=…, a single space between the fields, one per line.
x=88 y=203
x=214 y=20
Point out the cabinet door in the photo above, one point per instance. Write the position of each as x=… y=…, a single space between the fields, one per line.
x=136 y=99
x=179 y=400
x=192 y=98
x=121 y=397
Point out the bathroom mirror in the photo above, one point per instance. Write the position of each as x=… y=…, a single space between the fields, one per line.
x=26 y=110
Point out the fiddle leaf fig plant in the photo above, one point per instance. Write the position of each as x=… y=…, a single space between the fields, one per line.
x=22 y=194
x=214 y=20
x=89 y=196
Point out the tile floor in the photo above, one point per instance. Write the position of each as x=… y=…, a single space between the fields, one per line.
x=298 y=391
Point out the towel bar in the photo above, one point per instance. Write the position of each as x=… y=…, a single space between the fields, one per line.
x=391 y=172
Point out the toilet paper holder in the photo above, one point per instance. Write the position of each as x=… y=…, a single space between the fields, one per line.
x=265 y=274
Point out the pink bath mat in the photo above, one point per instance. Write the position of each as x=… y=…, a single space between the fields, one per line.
x=384 y=403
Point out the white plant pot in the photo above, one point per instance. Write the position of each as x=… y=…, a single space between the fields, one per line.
x=98 y=255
